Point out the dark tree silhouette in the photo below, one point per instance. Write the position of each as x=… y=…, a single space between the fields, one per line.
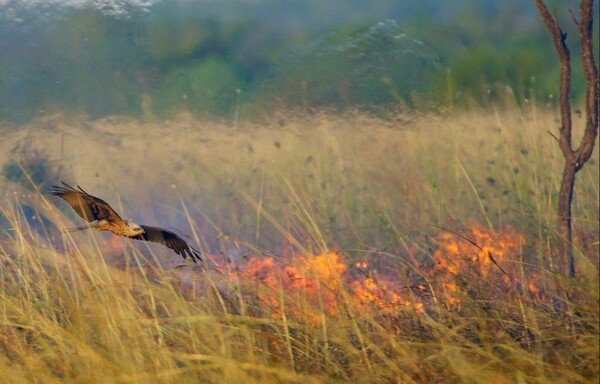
x=575 y=158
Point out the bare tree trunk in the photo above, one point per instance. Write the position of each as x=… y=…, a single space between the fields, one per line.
x=574 y=158
x=565 y=230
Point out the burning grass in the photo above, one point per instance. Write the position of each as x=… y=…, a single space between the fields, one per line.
x=68 y=316
x=350 y=251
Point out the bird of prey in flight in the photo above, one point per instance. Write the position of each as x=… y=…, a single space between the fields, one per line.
x=100 y=215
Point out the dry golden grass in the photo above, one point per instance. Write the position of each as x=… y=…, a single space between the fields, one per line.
x=323 y=261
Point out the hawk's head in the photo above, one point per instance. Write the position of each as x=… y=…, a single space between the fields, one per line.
x=134 y=229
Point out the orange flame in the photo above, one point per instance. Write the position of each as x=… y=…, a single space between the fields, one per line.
x=323 y=280
x=457 y=256
x=325 y=284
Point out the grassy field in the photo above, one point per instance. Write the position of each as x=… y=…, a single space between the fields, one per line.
x=338 y=248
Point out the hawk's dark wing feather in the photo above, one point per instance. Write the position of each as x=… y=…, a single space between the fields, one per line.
x=170 y=239
x=89 y=207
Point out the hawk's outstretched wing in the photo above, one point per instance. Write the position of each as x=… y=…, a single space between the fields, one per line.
x=170 y=239
x=89 y=207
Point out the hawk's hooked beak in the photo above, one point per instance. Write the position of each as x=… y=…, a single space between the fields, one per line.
x=138 y=228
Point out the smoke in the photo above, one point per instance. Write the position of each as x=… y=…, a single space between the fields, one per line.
x=20 y=11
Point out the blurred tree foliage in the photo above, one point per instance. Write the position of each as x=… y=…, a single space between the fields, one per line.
x=205 y=86
x=367 y=66
x=494 y=47
x=197 y=56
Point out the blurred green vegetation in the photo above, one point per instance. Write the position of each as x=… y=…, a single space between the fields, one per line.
x=363 y=66
x=174 y=56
